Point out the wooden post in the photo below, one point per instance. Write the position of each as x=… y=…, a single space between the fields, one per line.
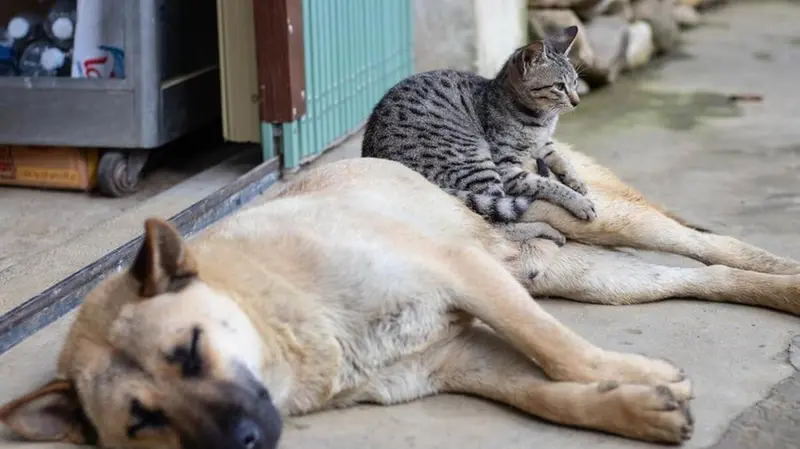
x=281 y=59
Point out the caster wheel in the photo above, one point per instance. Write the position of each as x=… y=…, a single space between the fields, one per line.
x=118 y=173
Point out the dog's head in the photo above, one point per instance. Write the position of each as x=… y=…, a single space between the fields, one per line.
x=156 y=358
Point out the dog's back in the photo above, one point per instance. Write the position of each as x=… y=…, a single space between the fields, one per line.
x=342 y=201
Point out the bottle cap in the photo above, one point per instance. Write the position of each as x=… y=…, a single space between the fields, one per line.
x=18 y=27
x=52 y=59
x=63 y=28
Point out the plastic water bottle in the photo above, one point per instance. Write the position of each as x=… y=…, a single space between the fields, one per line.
x=56 y=60
x=42 y=58
x=24 y=28
x=59 y=24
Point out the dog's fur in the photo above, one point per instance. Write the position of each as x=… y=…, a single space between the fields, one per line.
x=360 y=282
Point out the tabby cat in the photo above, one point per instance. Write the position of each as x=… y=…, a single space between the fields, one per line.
x=466 y=133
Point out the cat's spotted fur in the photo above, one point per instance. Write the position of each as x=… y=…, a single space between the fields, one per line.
x=466 y=133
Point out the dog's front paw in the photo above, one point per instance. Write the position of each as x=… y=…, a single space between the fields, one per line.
x=638 y=369
x=570 y=180
x=647 y=412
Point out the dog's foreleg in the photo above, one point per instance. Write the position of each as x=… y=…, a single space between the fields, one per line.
x=629 y=221
x=599 y=275
x=487 y=290
x=478 y=363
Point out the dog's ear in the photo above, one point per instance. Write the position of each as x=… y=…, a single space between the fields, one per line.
x=52 y=413
x=164 y=263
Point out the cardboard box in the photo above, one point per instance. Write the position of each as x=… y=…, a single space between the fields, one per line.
x=49 y=167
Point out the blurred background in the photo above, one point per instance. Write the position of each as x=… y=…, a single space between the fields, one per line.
x=115 y=110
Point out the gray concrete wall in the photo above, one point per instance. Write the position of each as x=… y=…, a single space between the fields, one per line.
x=444 y=35
x=501 y=28
x=473 y=35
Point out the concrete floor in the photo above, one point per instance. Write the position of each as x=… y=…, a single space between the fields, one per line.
x=33 y=220
x=671 y=133
x=46 y=235
x=36 y=220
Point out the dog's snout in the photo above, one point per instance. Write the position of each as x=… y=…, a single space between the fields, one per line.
x=247 y=435
x=232 y=415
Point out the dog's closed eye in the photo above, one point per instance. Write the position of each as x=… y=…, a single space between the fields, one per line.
x=188 y=356
x=142 y=418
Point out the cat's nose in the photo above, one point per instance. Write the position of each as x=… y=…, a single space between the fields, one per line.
x=574 y=99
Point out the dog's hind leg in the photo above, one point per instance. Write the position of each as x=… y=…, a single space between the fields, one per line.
x=478 y=363
x=626 y=219
x=487 y=290
x=600 y=275
x=633 y=225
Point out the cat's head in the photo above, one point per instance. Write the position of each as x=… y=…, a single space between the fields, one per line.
x=541 y=76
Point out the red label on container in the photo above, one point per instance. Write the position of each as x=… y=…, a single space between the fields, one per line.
x=7 y=169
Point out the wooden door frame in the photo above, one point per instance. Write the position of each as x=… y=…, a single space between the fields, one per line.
x=280 y=53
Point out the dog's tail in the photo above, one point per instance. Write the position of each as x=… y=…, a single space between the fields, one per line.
x=494 y=208
x=686 y=223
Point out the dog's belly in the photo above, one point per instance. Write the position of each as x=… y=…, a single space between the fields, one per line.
x=394 y=305
x=390 y=301
x=385 y=361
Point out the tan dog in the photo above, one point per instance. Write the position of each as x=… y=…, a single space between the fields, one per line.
x=360 y=282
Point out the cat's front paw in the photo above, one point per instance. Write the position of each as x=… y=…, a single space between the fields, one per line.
x=582 y=208
x=574 y=183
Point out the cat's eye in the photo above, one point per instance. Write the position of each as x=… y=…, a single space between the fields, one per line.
x=142 y=418
x=560 y=86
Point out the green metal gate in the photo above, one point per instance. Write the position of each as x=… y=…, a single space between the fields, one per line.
x=353 y=51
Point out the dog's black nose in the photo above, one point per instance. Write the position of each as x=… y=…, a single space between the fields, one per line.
x=247 y=434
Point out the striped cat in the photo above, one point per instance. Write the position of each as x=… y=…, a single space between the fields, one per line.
x=466 y=133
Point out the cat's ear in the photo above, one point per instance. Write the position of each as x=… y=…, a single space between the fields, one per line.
x=562 y=42
x=531 y=53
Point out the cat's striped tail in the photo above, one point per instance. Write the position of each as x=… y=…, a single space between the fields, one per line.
x=494 y=208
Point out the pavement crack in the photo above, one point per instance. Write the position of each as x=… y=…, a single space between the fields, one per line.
x=794 y=352
x=774 y=421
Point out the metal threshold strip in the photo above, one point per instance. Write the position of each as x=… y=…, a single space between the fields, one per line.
x=43 y=309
